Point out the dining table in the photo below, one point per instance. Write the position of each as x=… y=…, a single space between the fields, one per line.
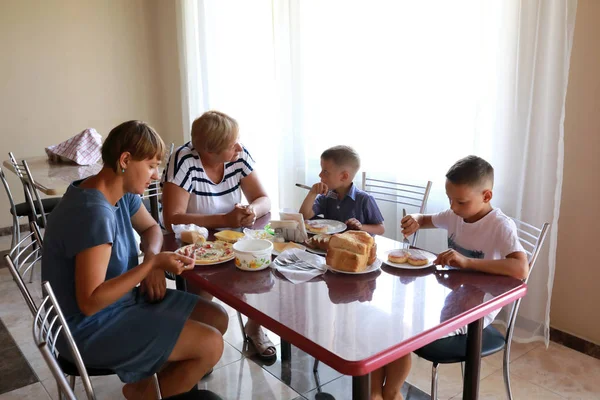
x=357 y=323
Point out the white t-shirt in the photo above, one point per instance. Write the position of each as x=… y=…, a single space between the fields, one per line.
x=493 y=237
x=185 y=170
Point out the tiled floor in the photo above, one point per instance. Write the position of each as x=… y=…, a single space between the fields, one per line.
x=536 y=372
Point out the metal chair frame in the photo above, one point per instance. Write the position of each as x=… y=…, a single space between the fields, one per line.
x=532 y=239
x=16 y=228
x=399 y=193
x=32 y=194
x=22 y=259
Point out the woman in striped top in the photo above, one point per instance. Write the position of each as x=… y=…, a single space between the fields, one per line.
x=203 y=184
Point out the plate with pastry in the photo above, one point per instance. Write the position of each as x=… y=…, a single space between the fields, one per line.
x=329 y=226
x=409 y=259
x=280 y=247
x=352 y=252
x=208 y=253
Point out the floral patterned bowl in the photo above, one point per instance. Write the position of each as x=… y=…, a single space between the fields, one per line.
x=252 y=254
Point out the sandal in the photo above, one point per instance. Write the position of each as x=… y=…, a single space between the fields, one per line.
x=262 y=344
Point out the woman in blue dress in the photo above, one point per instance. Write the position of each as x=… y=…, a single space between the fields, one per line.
x=90 y=258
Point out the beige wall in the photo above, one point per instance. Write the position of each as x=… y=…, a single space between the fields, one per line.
x=68 y=65
x=576 y=294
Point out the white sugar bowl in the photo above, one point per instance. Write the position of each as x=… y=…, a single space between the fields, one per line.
x=252 y=254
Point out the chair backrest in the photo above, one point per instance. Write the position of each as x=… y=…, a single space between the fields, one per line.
x=13 y=206
x=21 y=259
x=32 y=195
x=399 y=193
x=48 y=326
x=155 y=188
x=532 y=239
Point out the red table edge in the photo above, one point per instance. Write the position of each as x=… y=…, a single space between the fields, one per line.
x=365 y=366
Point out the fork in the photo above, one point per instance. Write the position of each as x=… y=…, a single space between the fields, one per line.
x=405 y=242
x=299 y=261
x=301 y=265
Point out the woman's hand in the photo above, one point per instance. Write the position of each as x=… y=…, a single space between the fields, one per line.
x=154 y=285
x=236 y=217
x=250 y=217
x=172 y=262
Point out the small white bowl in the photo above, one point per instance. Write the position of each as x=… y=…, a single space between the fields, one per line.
x=252 y=254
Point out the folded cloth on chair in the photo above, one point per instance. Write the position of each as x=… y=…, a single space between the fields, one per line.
x=83 y=148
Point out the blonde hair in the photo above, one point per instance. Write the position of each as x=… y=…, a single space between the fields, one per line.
x=343 y=156
x=136 y=137
x=214 y=131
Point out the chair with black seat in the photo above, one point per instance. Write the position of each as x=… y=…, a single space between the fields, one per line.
x=49 y=323
x=20 y=210
x=20 y=260
x=453 y=349
x=36 y=207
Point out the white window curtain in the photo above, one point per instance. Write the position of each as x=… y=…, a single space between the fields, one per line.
x=413 y=86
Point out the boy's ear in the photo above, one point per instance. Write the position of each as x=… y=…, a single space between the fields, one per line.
x=487 y=195
x=345 y=175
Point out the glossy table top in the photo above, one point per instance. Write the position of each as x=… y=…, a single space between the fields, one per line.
x=53 y=178
x=357 y=323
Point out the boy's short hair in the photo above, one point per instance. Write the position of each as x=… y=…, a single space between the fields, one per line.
x=472 y=171
x=343 y=156
x=214 y=131
x=136 y=137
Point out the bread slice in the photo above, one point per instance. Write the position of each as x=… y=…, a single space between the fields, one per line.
x=345 y=260
x=353 y=242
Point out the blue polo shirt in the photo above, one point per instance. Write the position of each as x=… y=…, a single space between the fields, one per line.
x=356 y=204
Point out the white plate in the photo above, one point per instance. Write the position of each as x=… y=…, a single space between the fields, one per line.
x=333 y=226
x=431 y=257
x=370 y=268
x=317 y=251
x=276 y=253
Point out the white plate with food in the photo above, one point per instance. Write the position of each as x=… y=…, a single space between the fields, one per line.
x=317 y=251
x=318 y=243
x=279 y=247
x=329 y=226
x=208 y=253
x=408 y=259
x=370 y=268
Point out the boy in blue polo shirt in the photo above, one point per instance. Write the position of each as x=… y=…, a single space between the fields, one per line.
x=336 y=197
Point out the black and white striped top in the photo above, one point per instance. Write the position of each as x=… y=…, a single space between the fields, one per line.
x=185 y=169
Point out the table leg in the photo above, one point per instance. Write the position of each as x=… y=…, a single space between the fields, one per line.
x=361 y=387
x=286 y=351
x=473 y=363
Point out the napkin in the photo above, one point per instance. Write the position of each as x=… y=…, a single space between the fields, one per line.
x=83 y=148
x=296 y=275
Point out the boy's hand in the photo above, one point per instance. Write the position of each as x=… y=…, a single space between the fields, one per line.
x=354 y=224
x=409 y=225
x=319 y=188
x=452 y=258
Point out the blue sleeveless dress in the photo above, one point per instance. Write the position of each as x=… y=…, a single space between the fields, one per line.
x=131 y=336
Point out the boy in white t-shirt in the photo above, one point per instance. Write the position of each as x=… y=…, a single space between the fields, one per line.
x=480 y=237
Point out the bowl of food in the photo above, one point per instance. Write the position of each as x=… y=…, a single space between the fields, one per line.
x=252 y=254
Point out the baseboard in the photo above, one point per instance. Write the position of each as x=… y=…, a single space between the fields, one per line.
x=575 y=343
x=7 y=230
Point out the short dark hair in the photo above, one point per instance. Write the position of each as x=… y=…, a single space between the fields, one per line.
x=342 y=156
x=472 y=171
x=136 y=137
